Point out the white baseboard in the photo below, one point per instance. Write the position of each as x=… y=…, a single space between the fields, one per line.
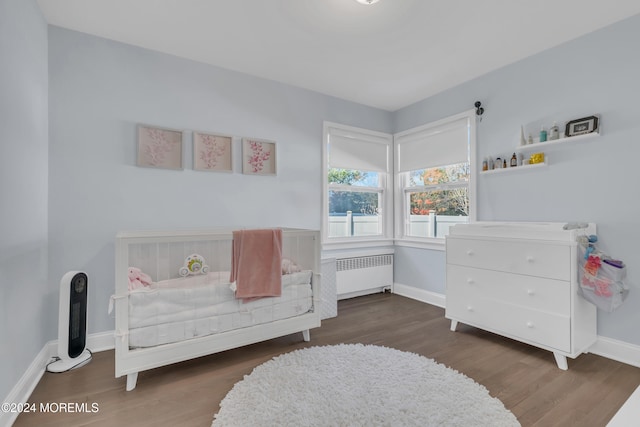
x=25 y=386
x=606 y=347
x=429 y=297
x=617 y=350
x=101 y=341
x=98 y=342
x=22 y=390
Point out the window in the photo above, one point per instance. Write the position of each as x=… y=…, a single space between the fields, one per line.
x=357 y=191
x=434 y=186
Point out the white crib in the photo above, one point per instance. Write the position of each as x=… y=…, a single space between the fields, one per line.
x=161 y=255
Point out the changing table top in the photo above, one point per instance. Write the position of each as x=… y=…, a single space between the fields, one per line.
x=523 y=230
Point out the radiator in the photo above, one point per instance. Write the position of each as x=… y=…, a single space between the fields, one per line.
x=363 y=275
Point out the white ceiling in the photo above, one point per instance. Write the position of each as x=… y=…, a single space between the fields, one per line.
x=386 y=55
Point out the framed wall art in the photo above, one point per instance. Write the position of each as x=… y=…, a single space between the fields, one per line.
x=581 y=126
x=258 y=157
x=212 y=152
x=159 y=147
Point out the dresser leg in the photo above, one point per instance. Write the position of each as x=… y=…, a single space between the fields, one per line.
x=454 y=325
x=561 y=361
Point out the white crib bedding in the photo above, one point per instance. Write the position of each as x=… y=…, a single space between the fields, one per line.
x=179 y=309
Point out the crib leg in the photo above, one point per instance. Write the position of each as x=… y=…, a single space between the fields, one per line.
x=306 y=335
x=132 y=379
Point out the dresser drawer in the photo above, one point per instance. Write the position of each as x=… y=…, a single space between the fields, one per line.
x=538 y=293
x=536 y=327
x=531 y=258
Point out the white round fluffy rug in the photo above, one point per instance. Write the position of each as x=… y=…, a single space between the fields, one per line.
x=358 y=385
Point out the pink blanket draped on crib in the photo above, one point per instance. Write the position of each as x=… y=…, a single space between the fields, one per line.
x=256 y=264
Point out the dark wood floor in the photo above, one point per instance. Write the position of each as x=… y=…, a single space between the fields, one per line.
x=524 y=378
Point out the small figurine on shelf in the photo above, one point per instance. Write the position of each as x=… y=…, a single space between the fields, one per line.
x=522 y=140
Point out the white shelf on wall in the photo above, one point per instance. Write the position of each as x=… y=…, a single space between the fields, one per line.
x=556 y=143
x=542 y=147
x=517 y=168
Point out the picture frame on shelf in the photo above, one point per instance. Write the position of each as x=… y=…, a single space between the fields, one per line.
x=258 y=157
x=212 y=152
x=582 y=126
x=159 y=147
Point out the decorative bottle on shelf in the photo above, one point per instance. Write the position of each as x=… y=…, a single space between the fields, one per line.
x=485 y=165
x=543 y=134
x=530 y=140
x=522 y=140
x=554 y=133
x=504 y=163
x=514 y=160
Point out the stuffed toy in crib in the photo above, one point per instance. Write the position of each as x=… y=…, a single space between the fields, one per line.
x=289 y=267
x=138 y=279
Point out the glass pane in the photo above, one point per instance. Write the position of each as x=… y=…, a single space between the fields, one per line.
x=452 y=173
x=431 y=213
x=354 y=177
x=353 y=213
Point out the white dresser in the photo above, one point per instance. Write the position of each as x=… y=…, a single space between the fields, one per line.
x=520 y=280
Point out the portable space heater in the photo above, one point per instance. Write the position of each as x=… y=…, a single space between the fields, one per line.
x=72 y=323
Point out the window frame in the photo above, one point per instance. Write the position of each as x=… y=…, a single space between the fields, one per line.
x=401 y=189
x=385 y=189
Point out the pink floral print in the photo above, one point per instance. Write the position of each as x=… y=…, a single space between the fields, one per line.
x=257 y=156
x=211 y=151
x=157 y=147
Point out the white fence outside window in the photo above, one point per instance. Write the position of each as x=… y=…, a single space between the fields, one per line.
x=370 y=225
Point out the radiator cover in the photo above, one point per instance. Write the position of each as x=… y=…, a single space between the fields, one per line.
x=363 y=275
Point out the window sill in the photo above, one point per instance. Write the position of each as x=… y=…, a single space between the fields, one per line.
x=359 y=244
x=431 y=244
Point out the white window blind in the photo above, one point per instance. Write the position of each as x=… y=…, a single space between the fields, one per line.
x=441 y=145
x=350 y=150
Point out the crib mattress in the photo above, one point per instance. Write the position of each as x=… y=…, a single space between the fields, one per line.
x=180 y=309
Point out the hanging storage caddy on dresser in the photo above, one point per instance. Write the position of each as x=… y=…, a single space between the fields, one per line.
x=520 y=280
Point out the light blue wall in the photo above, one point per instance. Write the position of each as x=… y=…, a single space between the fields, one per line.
x=594 y=181
x=25 y=311
x=100 y=90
